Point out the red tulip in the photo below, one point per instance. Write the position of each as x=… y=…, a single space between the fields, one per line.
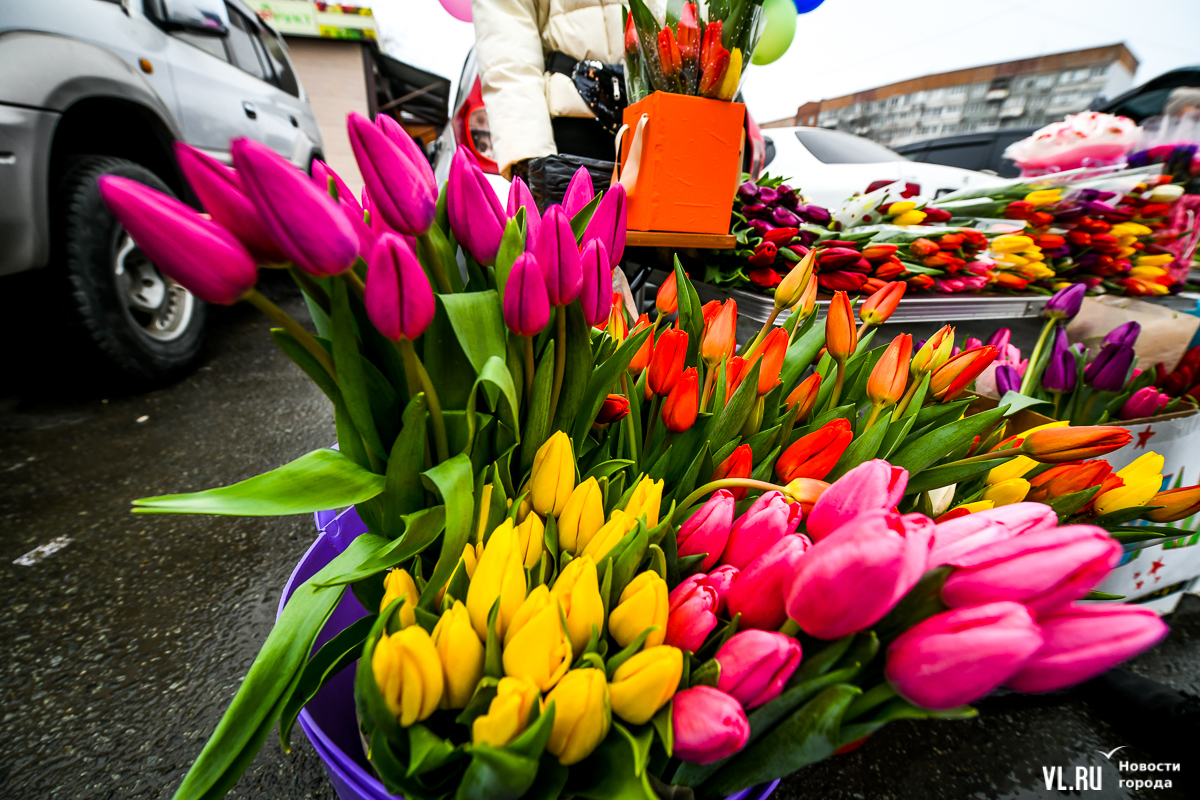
x=814 y=455
x=692 y=615
x=682 y=405
x=666 y=362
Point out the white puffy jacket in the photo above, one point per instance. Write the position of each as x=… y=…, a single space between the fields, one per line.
x=512 y=38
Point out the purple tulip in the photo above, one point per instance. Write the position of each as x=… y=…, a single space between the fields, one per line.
x=707 y=530
x=596 y=294
x=1000 y=339
x=758 y=592
x=526 y=307
x=761 y=226
x=768 y=195
x=788 y=197
x=755 y=665
x=322 y=174
x=816 y=214
x=1145 y=402
x=307 y=224
x=784 y=218
x=1126 y=334
x=398 y=297
x=220 y=191
x=558 y=255
x=1110 y=370
x=520 y=197
x=401 y=183
x=748 y=192
x=477 y=219
x=756 y=211
x=579 y=192
x=1007 y=379
x=1062 y=372
x=769 y=519
x=1061 y=343
x=608 y=223
x=195 y=252
x=1065 y=303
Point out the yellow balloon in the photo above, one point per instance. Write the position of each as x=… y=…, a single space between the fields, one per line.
x=778 y=31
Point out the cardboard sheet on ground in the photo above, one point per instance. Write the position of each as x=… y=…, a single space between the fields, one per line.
x=1165 y=333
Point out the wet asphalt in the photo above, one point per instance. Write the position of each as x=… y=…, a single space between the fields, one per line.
x=121 y=650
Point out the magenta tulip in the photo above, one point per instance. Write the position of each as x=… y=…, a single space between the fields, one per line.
x=408 y=147
x=707 y=530
x=307 y=224
x=1043 y=569
x=721 y=579
x=220 y=191
x=401 y=182
x=596 y=295
x=758 y=592
x=755 y=665
x=768 y=520
x=579 y=192
x=192 y=250
x=477 y=219
x=872 y=485
x=959 y=656
x=691 y=615
x=709 y=725
x=608 y=223
x=526 y=308
x=1082 y=641
x=322 y=174
x=954 y=539
x=398 y=297
x=1145 y=402
x=520 y=197
x=558 y=254
x=850 y=579
x=1020 y=517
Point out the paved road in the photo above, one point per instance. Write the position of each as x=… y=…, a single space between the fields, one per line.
x=121 y=650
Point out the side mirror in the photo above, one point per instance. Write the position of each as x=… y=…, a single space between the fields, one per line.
x=204 y=17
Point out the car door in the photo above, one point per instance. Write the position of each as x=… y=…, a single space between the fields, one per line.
x=285 y=112
x=262 y=100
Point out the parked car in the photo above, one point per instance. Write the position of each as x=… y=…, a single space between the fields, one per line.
x=96 y=87
x=1148 y=99
x=829 y=166
x=982 y=152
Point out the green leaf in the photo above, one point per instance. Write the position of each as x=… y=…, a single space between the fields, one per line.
x=937 y=477
x=1120 y=516
x=1068 y=504
x=403 y=493
x=420 y=530
x=1019 y=402
x=512 y=244
x=728 y=424
x=352 y=378
x=664 y=726
x=577 y=367
x=304 y=359
x=862 y=449
x=427 y=751
x=317 y=481
x=614 y=770
x=941 y=412
x=580 y=221
x=537 y=416
x=800 y=355
x=932 y=447
x=494 y=376
x=822 y=661
x=551 y=778
x=454 y=483
x=602 y=378
x=691 y=315
x=477 y=324
x=606 y=468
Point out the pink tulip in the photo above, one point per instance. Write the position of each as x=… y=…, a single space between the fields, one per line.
x=691 y=615
x=395 y=171
x=477 y=219
x=322 y=173
x=707 y=530
x=721 y=579
x=959 y=656
x=558 y=254
x=769 y=519
x=1082 y=641
x=307 y=224
x=850 y=579
x=1021 y=517
x=579 y=192
x=398 y=297
x=595 y=297
x=956 y=538
x=709 y=725
x=871 y=485
x=755 y=665
x=1145 y=402
x=1043 y=569
x=362 y=232
x=520 y=197
x=526 y=308
x=192 y=250
x=220 y=191
x=758 y=592
x=608 y=223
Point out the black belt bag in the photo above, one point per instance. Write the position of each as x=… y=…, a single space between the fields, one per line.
x=602 y=86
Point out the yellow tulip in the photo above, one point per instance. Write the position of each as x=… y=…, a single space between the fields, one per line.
x=646 y=500
x=1143 y=466
x=1007 y=492
x=609 y=535
x=500 y=573
x=461 y=654
x=582 y=516
x=509 y=712
x=578 y=591
x=1044 y=197
x=582 y=715
x=1017 y=468
x=485 y=503
x=395 y=584
x=1147 y=272
x=1010 y=243
x=408 y=673
x=553 y=475
x=536 y=645
x=531 y=538
x=1137 y=491
x=643 y=604
x=645 y=683
x=1154 y=261
x=978 y=505
x=470 y=558
x=896 y=209
x=909 y=218
x=733 y=73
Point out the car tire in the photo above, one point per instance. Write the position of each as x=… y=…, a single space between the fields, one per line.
x=147 y=328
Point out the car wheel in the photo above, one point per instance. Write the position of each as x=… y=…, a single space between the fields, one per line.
x=147 y=327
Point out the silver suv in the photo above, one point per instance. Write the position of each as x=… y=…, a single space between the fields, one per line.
x=94 y=87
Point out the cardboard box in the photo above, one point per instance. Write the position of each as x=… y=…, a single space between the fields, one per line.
x=1158 y=575
x=690 y=165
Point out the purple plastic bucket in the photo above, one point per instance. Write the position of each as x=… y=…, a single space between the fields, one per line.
x=329 y=720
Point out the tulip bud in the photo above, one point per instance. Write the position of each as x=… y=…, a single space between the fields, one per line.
x=613 y=408
x=1059 y=445
x=739 y=465
x=500 y=574
x=1065 y=303
x=955 y=539
x=759 y=591
x=735 y=371
x=804 y=396
x=408 y=673
x=720 y=580
x=641 y=359
x=578 y=592
x=692 y=614
x=1145 y=402
x=720 y=336
x=791 y=289
x=1082 y=641
x=885 y=386
x=398 y=297
x=666 y=364
x=509 y=713
x=607 y=225
x=477 y=219
x=645 y=683
x=396 y=173
x=958 y=656
x=1142 y=480
x=841 y=334
x=815 y=454
x=398 y=583
x=1016 y=468
x=709 y=725
x=558 y=256
x=608 y=537
x=1066 y=479
x=707 y=530
x=934 y=353
x=1175 y=504
x=876 y=309
x=1006 y=492
x=553 y=475
x=1110 y=369
x=597 y=282
x=645 y=501
x=951 y=378
x=531 y=539
x=526 y=305
x=580 y=192
x=643 y=604
x=582 y=715
x=536 y=645
x=667 y=298
x=871 y=485
x=806 y=492
x=461 y=655
x=322 y=175
x=520 y=197
x=682 y=405
x=581 y=517
x=770 y=518
x=755 y=665
x=807 y=303
x=617 y=326
x=772 y=351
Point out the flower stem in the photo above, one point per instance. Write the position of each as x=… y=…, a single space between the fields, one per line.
x=560 y=356
x=529 y=368
x=876 y=408
x=281 y=318
x=1057 y=400
x=1031 y=374
x=655 y=405
x=630 y=431
x=708 y=385
x=355 y=283
x=837 y=384
x=435 y=408
x=728 y=483
x=902 y=406
x=749 y=349
x=310 y=287
x=425 y=244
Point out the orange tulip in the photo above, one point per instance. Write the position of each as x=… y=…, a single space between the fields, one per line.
x=951 y=378
x=1059 y=445
x=815 y=454
x=739 y=464
x=720 y=336
x=1067 y=479
x=683 y=403
x=841 y=333
x=709 y=310
x=642 y=357
x=806 y=492
x=935 y=352
x=666 y=362
x=876 y=309
x=1176 y=504
x=886 y=384
x=804 y=396
x=667 y=299
x=771 y=351
x=735 y=370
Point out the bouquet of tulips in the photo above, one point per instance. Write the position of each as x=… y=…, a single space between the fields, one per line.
x=610 y=556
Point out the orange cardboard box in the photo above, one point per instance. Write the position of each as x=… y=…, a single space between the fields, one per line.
x=691 y=151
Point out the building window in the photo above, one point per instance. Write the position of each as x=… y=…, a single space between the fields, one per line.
x=957 y=89
x=1098 y=71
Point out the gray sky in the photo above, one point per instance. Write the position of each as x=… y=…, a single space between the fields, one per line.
x=850 y=45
